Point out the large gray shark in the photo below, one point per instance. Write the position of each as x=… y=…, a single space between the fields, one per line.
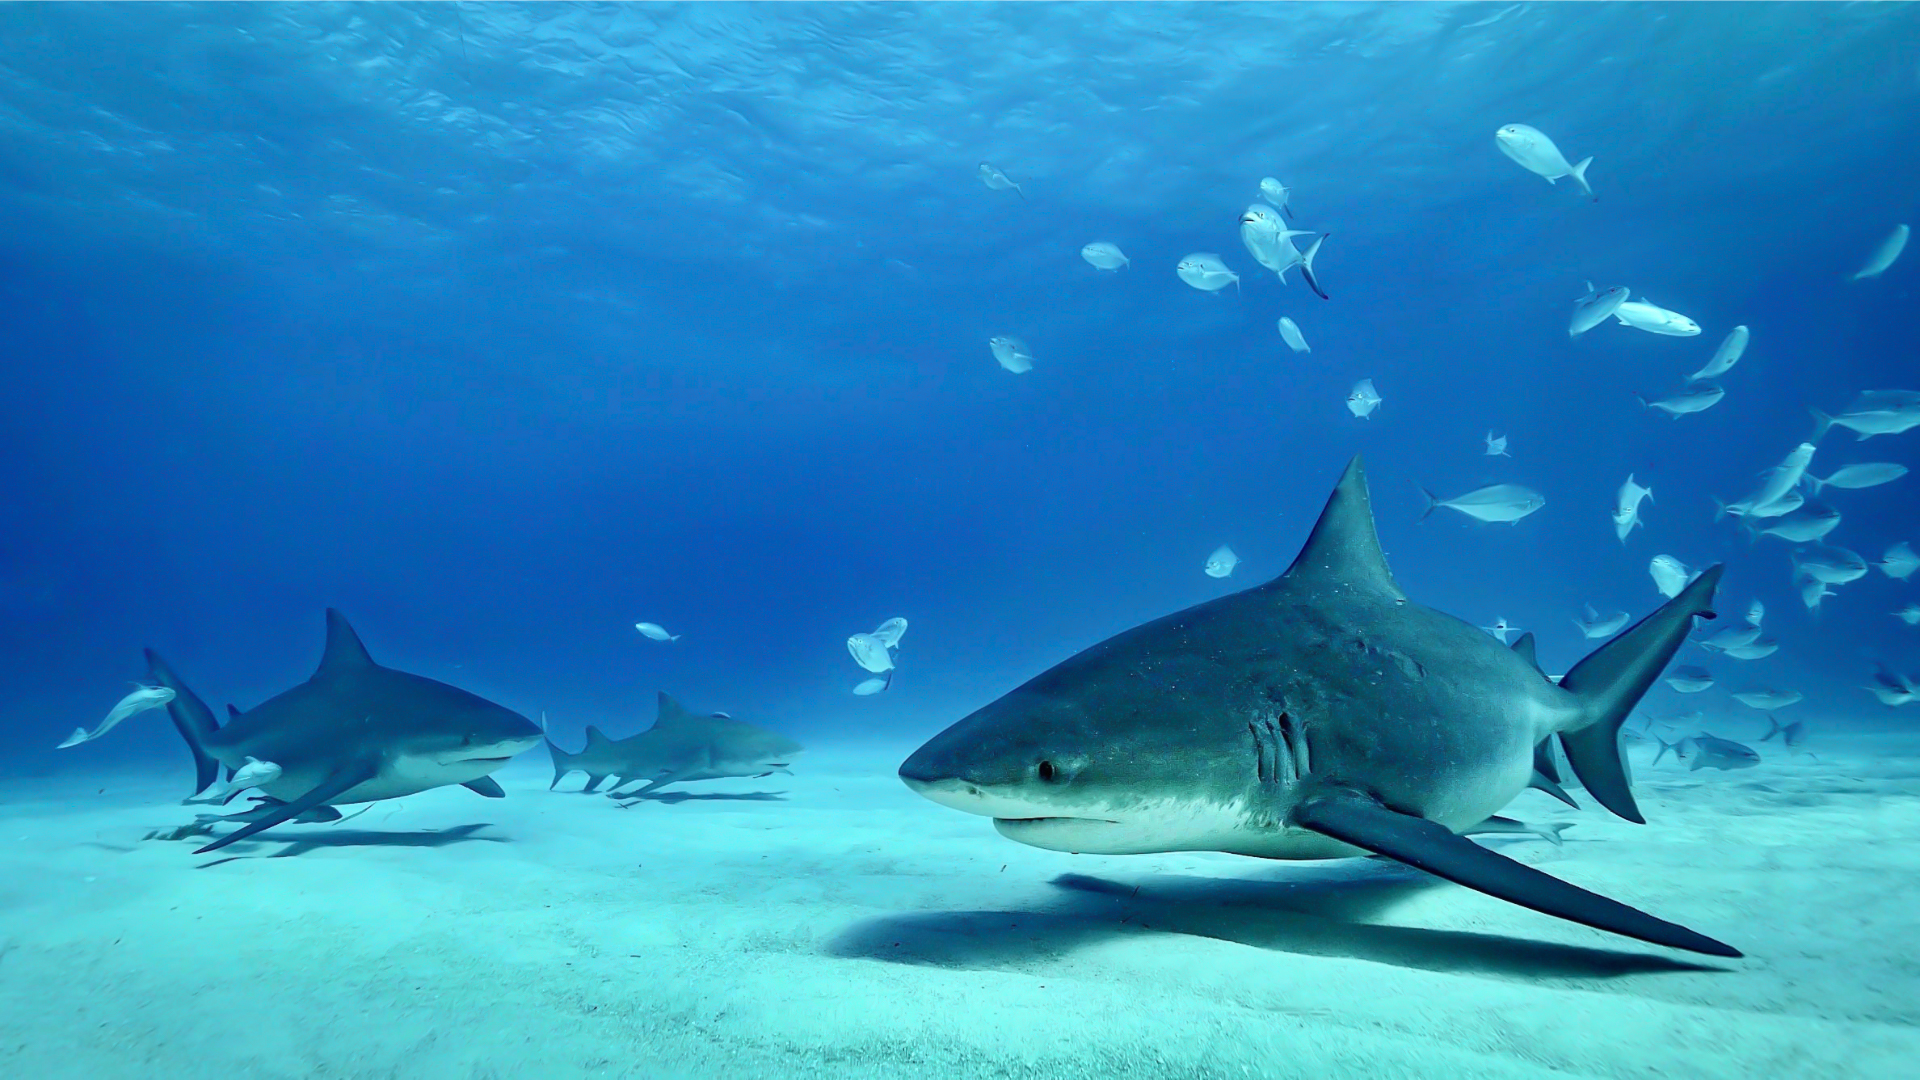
x=1321 y=715
x=679 y=746
x=355 y=732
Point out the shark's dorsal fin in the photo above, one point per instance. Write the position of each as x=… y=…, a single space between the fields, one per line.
x=1343 y=547
x=1523 y=648
x=232 y=713
x=343 y=646
x=595 y=737
x=671 y=712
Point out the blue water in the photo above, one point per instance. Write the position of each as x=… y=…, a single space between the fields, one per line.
x=503 y=327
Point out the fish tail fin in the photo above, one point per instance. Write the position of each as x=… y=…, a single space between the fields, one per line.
x=1579 y=175
x=1433 y=503
x=1822 y=423
x=1664 y=747
x=1815 y=483
x=1306 y=267
x=1610 y=683
x=1719 y=509
x=1641 y=398
x=191 y=717
x=1773 y=725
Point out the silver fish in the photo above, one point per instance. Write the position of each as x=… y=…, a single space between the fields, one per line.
x=1854 y=477
x=1495 y=502
x=1697 y=398
x=1727 y=355
x=1596 y=307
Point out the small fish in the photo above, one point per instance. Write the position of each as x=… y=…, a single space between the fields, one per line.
x=1745 y=508
x=1759 y=650
x=1708 y=752
x=1690 y=680
x=1290 y=333
x=140 y=700
x=1884 y=255
x=1204 y=271
x=1012 y=353
x=1776 y=495
x=1812 y=591
x=1496 y=447
x=655 y=632
x=891 y=631
x=1276 y=193
x=1536 y=153
x=1733 y=637
x=1804 y=526
x=1756 y=613
x=1500 y=629
x=1670 y=575
x=1102 y=255
x=1697 y=398
x=1363 y=399
x=1644 y=314
x=1793 y=734
x=1899 y=562
x=1727 y=355
x=1495 y=826
x=1594 y=626
x=1855 y=477
x=1768 y=699
x=870 y=652
x=1891 y=687
x=1909 y=614
x=1221 y=563
x=995 y=180
x=1595 y=308
x=1875 y=412
x=870 y=687
x=1833 y=565
x=1495 y=502
x=254 y=773
x=1626 y=507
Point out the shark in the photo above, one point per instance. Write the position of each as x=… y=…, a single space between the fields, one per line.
x=354 y=732
x=680 y=746
x=1320 y=715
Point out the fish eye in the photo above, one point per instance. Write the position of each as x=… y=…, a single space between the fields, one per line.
x=466 y=740
x=1046 y=771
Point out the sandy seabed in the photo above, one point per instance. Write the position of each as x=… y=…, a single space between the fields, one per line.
x=832 y=924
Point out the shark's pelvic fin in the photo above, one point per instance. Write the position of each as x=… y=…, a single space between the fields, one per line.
x=191 y=717
x=1343 y=551
x=1542 y=782
x=338 y=783
x=1611 y=681
x=486 y=787
x=1357 y=819
x=344 y=650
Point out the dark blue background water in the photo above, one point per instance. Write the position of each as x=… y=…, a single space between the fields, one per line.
x=502 y=328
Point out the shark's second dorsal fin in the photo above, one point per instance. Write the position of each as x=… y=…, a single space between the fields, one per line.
x=1343 y=547
x=1523 y=648
x=343 y=646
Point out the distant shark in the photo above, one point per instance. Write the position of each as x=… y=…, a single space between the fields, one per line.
x=355 y=732
x=1321 y=715
x=680 y=746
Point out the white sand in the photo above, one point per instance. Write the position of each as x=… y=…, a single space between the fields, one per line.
x=852 y=929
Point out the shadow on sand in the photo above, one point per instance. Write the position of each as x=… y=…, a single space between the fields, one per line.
x=1324 y=915
x=430 y=838
x=672 y=797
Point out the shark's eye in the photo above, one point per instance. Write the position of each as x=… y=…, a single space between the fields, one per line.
x=1047 y=772
x=466 y=740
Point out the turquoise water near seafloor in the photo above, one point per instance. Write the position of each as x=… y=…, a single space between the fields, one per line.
x=503 y=328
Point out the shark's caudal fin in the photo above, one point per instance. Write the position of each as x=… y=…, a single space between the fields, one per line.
x=191 y=717
x=564 y=763
x=1611 y=681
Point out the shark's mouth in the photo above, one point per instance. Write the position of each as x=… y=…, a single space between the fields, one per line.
x=1054 y=818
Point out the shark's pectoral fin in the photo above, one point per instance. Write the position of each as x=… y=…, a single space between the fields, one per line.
x=670 y=776
x=337 y=783
x=1540 y=782
x=486 y=787
x=1362 y=821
